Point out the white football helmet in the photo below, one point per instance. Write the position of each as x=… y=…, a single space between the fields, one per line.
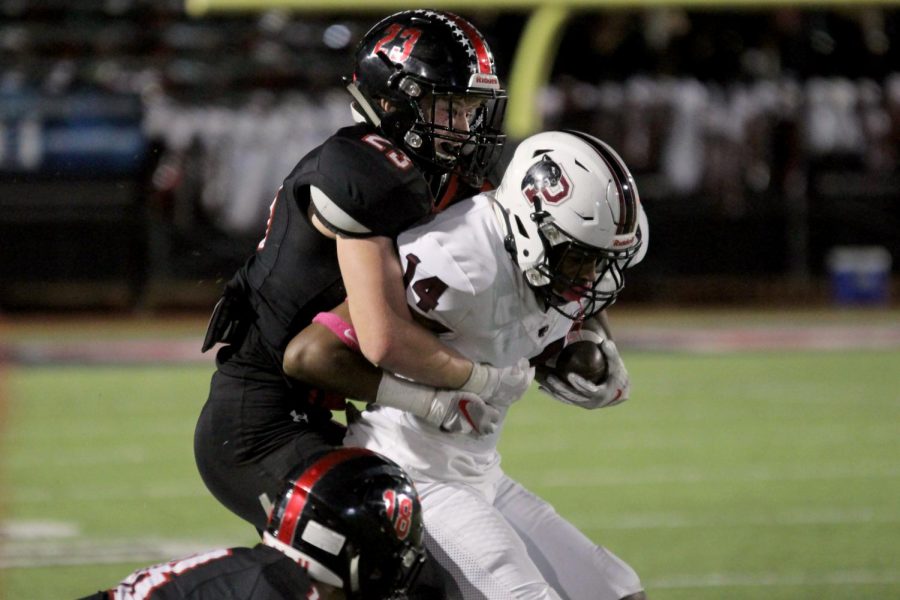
x=568 y=198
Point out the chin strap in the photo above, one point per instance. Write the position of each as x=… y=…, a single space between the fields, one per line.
x=361 y=103
x=509 y=242
x=316 y=570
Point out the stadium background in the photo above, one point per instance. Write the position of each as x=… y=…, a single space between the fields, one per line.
x=140 y=146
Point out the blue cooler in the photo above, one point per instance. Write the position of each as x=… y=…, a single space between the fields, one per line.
x=860 y=274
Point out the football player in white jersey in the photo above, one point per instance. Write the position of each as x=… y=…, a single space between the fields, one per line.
x=504 y=276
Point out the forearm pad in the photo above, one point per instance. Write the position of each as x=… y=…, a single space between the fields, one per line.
x=404 y=395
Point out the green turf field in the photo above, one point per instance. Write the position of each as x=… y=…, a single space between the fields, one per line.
x=731 y=476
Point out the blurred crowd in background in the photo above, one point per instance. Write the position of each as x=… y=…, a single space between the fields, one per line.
x=138 y=144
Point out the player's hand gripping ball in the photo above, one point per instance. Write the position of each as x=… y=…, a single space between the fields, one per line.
x=584 y=358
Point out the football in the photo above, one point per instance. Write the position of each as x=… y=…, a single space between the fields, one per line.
x=584 y=358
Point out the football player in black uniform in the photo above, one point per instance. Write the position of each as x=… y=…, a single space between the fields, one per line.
x=350 y=527
x=428 y=104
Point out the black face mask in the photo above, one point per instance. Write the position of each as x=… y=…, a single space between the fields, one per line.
x=564 y=264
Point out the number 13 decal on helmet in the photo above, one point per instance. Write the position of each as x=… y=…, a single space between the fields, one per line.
x=399 y=511
x=410 y=35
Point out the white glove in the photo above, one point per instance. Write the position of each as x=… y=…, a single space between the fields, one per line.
x=581 y=392
x=453 y=411
x=499 y=387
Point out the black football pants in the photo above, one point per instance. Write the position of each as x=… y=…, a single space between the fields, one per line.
x=251 y=437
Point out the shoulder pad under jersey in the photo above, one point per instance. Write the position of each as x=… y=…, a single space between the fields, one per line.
x=365 y=185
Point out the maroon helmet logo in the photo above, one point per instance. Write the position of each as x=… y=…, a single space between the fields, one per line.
x=546 y=178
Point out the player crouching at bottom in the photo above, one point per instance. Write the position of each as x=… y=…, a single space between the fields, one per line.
x=349 y=526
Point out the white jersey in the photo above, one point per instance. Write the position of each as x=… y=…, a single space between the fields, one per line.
x=461 y=276
x=489 y=537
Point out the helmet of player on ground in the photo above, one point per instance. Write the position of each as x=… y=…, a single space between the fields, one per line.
x=437 y=73
x=572 y=211
x=354 y=520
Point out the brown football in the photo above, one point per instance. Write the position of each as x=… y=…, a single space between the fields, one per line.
x=584 y=358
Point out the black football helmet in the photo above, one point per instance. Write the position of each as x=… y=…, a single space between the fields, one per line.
x=420 y=60
x=353 y=519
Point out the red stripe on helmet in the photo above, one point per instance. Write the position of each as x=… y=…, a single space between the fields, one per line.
x=482 y=52
x=287 y=529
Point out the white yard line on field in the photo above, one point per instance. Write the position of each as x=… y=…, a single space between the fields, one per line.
x=26 y=544
x=57 y=553
x=599 y=477
x=41 y=495
x=799 y=517
x=730 y=580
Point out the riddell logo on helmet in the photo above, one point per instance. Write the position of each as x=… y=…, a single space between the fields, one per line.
x=482 y=80
x=621 y=243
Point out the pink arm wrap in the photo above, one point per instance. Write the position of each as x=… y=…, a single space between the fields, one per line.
x=338 y=327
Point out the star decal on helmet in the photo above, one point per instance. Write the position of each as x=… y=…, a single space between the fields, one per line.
x=464 y=32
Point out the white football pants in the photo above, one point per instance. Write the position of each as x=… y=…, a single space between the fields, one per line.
x=515 y=546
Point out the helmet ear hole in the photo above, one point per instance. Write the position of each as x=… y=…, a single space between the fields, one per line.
x=523 y=231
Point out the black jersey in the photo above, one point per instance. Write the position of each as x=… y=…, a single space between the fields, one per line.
x=259 y=573
x=294 y=274
x=258 y=424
